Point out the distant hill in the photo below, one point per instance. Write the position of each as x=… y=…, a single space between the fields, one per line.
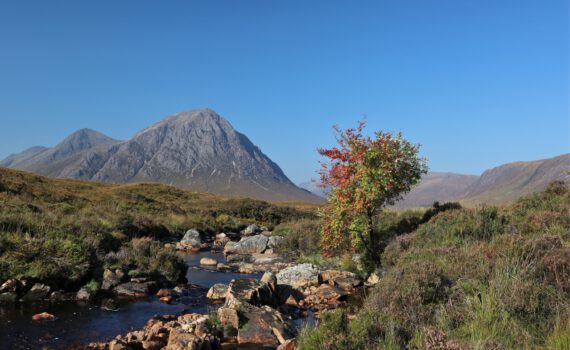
x=435 y=186
x=499 y=185
x=197 y=150
x=508 y=182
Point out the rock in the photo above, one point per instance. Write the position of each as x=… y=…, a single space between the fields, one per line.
x=221 y=236
x=190 y=241
x=44 y=316
x=274 y=241
x=228 y=316
x=270 y=279
x=267 y=260
x=111 y=278
x=329 y=276
x=208 y=262
x=263 y=228
x=247 y=268
x=11 y=286
x=223 y=267
x=228 y=248
x=217 y=292
x=239 y=258
x=299 y=276
x=232 y=234
x=109 y=305
x=84 y=294
x=134 y=289
x=326 y=297
x=37 y=292
x=248 y=245
x=163 y=293
x=251 y=230
x=262 y=327
x=348 y=283
x=166 y=299
x=179 y=340
x=250 y=291
x=266 y=233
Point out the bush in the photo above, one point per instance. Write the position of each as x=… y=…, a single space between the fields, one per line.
x=151 y=257
x=302 y=237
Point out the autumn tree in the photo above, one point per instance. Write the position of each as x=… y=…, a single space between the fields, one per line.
x=364 y=175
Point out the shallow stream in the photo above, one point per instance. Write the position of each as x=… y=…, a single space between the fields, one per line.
x=79 y=323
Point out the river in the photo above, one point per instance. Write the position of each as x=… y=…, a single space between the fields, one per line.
x=80 y=323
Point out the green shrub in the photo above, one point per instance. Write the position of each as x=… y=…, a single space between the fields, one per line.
x=302 y=237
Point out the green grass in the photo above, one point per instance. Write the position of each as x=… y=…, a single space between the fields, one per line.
x=65 y=232
x=472 y=278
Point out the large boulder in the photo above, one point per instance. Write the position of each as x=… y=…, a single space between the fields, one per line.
x=250 y=291
x=37 y=292
x=190 y=241
x=259 y=327
x=11 y=286
x=248 y=245
x=299 y=276
x=251 y=230
x=84 y=294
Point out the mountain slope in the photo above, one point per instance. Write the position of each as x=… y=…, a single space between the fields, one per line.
x=59 y=160
x=436 y=186
x=198 y=150
x=510 y=181
x=499 y=185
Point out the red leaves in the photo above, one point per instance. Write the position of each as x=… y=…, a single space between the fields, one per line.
x=364 y=174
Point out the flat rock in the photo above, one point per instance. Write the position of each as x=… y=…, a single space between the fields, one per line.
x=134 y=289
x=299 y=276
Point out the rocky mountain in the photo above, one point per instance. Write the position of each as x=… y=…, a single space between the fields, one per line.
x=197 y=150
x=62 y=159
x=498 y=185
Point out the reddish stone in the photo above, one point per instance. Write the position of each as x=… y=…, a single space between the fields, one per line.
x=44 y=316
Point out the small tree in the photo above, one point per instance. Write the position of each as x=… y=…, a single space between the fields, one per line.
x=364 y=175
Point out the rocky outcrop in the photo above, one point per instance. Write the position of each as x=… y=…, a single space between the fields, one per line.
x=189 y=331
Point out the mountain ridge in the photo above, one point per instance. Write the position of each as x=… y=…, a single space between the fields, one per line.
x=498 y=185
x=196 y=149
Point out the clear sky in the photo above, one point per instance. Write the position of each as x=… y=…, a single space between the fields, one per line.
x=477 y=83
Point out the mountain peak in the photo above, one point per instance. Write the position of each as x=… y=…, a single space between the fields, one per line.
x=196 y=149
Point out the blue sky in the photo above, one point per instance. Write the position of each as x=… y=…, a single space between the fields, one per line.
x=477 y=83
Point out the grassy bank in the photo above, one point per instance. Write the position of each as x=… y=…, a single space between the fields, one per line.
x=475 y=278
x=65 y=232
